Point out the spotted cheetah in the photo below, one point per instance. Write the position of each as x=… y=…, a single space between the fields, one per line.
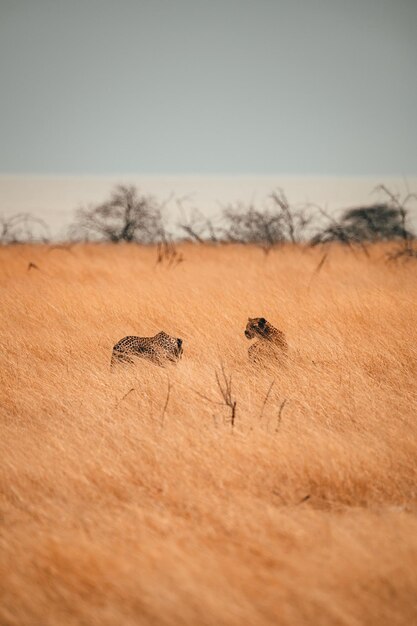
x=271 y=341
x=160 y=349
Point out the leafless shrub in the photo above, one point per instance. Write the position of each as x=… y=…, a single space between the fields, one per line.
x=224 y=383
x=23 y=228
x=196 y=226
x=406 y=250
x=127 y=216
x=295 y=219
x=247 y=224
x=167 y=253
x=274 y=224
x=280 y=410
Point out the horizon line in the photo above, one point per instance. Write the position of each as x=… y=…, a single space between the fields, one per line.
x=198 y=175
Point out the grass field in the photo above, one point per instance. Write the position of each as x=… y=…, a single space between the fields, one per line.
x=123 y=504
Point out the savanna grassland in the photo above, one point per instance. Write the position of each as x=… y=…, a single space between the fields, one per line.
x=128 y=498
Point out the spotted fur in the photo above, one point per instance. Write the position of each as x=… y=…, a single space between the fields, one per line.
x=271 y=342
x=160 y=349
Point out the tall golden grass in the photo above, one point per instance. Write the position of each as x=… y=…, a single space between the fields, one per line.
x=122 y=504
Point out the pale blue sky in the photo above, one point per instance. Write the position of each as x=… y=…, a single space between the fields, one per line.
x=221 y=86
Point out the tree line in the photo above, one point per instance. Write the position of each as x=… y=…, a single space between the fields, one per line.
x=133 y=217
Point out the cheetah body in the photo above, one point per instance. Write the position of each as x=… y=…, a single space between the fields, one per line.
x=160 y=349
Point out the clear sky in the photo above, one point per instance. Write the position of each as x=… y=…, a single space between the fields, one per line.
x=208 y=86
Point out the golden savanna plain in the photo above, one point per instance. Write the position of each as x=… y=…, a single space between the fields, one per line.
x=129 y=497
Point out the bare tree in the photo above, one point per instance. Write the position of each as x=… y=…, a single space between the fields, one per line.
x=295 y=219
x=274 y=224
x=196 y=226
x=23 y=228
x=247 y=224
x=127 y=216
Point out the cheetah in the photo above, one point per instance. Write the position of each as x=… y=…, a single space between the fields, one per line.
x=160 y=349
x=271 y=341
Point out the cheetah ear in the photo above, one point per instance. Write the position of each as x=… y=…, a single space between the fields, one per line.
x=262 y=322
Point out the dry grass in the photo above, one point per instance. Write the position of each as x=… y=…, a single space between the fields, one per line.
x=120 y=509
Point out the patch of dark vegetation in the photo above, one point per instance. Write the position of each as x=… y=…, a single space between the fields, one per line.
x=383 y=221
x=378 y=222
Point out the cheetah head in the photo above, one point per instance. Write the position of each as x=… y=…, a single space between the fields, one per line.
x=171 y=346
x=175 y=350
x=179 y=348
x=256 y=327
